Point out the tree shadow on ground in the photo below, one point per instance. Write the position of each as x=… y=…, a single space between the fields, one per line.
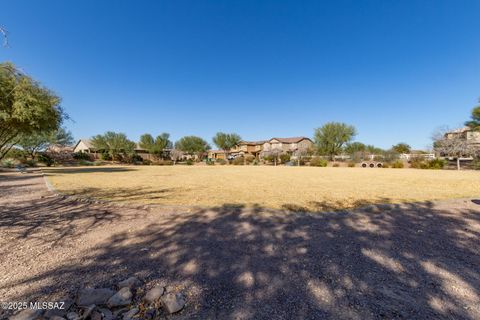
x=412 y=261
x=126 y=194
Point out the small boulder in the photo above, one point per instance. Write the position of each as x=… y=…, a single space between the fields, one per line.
x=106 y=314
x=122 y=298
x=130 y=314
x=96 y=315
x=173 y=302
x=73 y=316
x=131 y=283
x=56 y=318
x=27 y=314
x=88 y=311
x=154 y=294
x=87 y=297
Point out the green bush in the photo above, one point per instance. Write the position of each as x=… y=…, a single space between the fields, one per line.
x=351 y=164
x=238 y=161
x=98 y=163
x=427 y=164
x=81 y=156
x=147 y=162
x=209 y=162
x=436 y=164
x=284 y=157
x=268 y=158
x=30 y=163
x=222 y=162
x=476 y=164
x=8 y=163
x=255 y=162
x=397 y=164
x=189 y=162
x=106 y=156
x=85 y=163
x=46 y=159
x=336 y=165
x=318 y=162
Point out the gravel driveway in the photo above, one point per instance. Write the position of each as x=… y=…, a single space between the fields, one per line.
x=412 y=261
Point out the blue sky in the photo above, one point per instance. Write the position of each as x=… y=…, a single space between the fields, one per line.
x=396 y=70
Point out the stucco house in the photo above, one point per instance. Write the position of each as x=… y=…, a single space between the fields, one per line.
x=245 y=148
x=471 y=136
x=288 y=145
x=85 y=146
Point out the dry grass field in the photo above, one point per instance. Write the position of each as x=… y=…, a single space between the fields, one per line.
x=290 y=188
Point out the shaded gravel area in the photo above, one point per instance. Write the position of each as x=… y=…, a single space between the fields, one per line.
x=418 y=260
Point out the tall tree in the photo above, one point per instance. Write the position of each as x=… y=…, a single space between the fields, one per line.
x=26 y=107
x=354 y=147
x=331 y=137
x=475 y=116
x=192 y=145
x=155 y=146
x=36 y=142
x=113 y=143
x=401 y=147
x=226 y=141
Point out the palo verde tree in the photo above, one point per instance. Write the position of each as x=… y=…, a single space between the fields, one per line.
x=33 y=143
x=26 y=108
x=115 y=144
x=474 y=123
x=331 y=137
x=155 y=146
x=226 y=141
x=192 y=145
x=401 y=147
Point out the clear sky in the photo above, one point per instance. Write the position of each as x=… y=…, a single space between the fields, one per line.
x=394 y=69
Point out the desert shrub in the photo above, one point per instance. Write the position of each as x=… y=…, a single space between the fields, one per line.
x=238 y=161
x=351 y=164
x=476 y=164
x=255 y=162
x=318 y=162
x=46 y=159
x=336 y=165
x=8 y=163
x=209 y=162
x=435 y=164
x=85 y=163
x=147 y=162
x=222 y=161
x=106 y=156
x=268 y=158
x=427 y=164
x=81 y=156
x=284 y=157
x=249 y=159
x=386 y=165
x=189 y=162
x=397 y=164
x=30 y=163
x=16 y=154
x=98 y=163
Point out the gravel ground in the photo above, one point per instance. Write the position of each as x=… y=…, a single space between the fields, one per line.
x=418 y=260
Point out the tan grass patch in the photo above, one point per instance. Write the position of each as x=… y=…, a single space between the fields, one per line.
x=290 y=188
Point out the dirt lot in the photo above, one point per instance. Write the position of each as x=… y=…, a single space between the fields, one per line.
x=291 y=188
x=411 y=261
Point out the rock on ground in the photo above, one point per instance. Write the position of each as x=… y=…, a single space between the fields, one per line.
x=131 y=283
x=122 y=298
x=87 y=296
x=173 y=302
x=154 y=294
